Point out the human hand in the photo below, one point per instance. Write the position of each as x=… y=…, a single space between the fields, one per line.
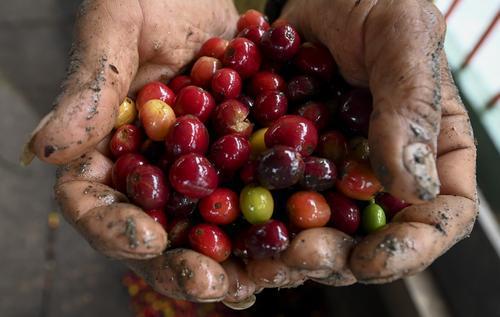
x=119 y=46
x=421 y=142
x=417 y=236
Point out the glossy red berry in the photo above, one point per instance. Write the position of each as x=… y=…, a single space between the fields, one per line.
x=319 y=174
x=126 y=139
x=193 y=175
x=220 y=207
x=123 y=167
x=146 y=187
x=214 y=47
x=196 y=101
x=346 y=215
x=265 y=240
x=357 y=180
x=179 y=82
x=280 y=43
x=211 y=241
x=253 y=33
x=243 y=56
x=154 y=90
x=158 y=216
x=265 y=81
x=203 y=70
x=230 y=152
x=355 y=111
x=252 y=18
x=269 y=106
x=315 y=59
x=308 y=209
x=226 y=84
x=293 y=131
x=280 y=167
x=231 y=117
x=317 y=112
x=187 y=135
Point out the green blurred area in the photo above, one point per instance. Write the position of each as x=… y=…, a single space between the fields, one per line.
x=243 y=5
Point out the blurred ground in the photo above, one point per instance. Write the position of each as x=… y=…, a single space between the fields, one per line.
x=34 y=40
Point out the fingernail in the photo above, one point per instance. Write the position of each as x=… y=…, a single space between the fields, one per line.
x=419 y=161
x=27 y=154
x=244 y=304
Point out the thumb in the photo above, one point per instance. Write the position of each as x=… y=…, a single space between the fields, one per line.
x=103 y=61
x=403 y=64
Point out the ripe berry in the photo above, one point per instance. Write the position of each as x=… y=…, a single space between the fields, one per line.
x=230 y=117
x=123 y=167
x=293 y=131
x=179 y=82
x=187 y=135
x=126 y=139
x=308 y=209
x=390 y=204
x=230 y=152
x=214 y=47
x=315 y=59
x=243 y=56
x=252 y=18
x=357 y=180
x=269 y=106
x=196 y=101
x=211 y=241
x=226 y=84
x=203 y=70
x=280 y=167
x=281 y=43
x=317 y=112
x=319 y=174
x=355 y=111
x=345 y=213
x=253 y=33
x=154 y=90
x=220 y=207
x=157 y=118
x=333 y=146
x=193 y=176
x=265 y=240
x=265 y=81
x=146 y=187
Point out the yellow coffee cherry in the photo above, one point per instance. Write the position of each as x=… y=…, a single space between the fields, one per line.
x=126 y=113
x=257 y=144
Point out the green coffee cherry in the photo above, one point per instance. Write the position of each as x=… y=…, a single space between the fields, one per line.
x=373 y=218
x=256 y=204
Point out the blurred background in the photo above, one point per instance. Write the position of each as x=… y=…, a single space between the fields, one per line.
x=48 y=270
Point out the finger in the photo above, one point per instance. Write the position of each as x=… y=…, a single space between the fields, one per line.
x=272 y=273
x=241 y=288
x=394 y=48
x=184 y=274
x=103 y=61
x=445 y=220
x=92 y=166
x=397 y=250
x=101 y=214
x=321 y=253
x=404 y=77
x=456 y=142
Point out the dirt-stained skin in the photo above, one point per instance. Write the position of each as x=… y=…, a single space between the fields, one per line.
x=419 y=130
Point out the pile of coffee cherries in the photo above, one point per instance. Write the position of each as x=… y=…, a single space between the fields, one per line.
x=261 y=139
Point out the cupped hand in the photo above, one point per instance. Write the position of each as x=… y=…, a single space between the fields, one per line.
x=419 y=132
x=421 y=142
